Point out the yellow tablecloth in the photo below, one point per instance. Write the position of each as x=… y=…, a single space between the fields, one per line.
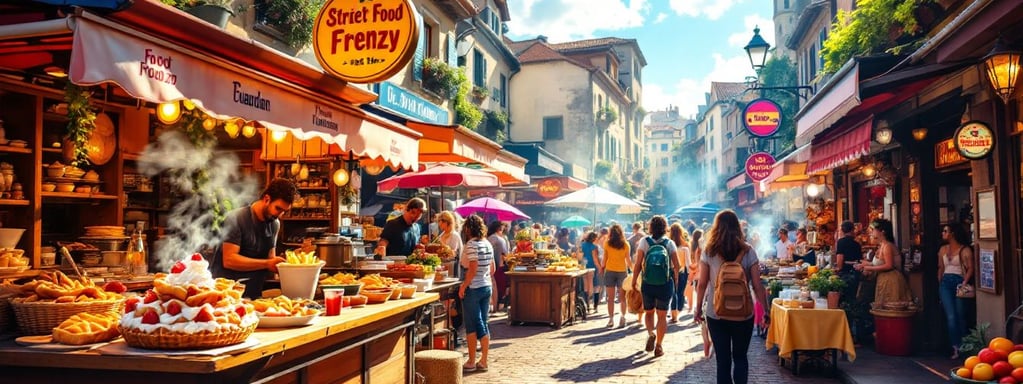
x=809 y=329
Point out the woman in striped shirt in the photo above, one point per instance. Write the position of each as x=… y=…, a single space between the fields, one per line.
x=478 y=261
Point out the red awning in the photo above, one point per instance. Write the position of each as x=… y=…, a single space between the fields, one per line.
x=840 y=146
x=737 y=181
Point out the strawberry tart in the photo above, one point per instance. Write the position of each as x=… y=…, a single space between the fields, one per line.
x=188 y=309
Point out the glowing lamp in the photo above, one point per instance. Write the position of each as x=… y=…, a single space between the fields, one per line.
x=168 y=113
x=209 y=124
x=341 y=177
x=882 y=133
x=1002 y=67
x=868 y=170
x=249 y=130
x=757 y=49
x=231 y=128
x=278 y=136
x=813 y=190
x=920 y=134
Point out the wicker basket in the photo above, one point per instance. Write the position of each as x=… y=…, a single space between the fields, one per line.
x=163 y=339
x=6 y=314
x=41 y=317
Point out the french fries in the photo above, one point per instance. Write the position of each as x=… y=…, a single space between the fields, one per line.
x=282 y=306
x=376 y=281
x=300 y=257
x=339 y=278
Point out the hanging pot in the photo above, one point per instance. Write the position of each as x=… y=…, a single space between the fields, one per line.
x=833 y=299
x=213 y=14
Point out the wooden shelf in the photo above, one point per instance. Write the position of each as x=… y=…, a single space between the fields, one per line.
x=20 y=202
x=305 y=219
x=10 y=149
x=53 y=116
x=53 y=150
x=72 y=195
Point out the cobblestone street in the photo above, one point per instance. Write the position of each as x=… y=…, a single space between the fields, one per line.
x=589 y=352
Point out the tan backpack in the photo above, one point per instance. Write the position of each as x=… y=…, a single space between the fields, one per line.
x=732 y=300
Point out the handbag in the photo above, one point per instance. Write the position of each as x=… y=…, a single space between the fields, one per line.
x=964 y=290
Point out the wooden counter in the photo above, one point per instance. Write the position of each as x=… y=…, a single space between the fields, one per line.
x=375 y=341
x=544 y=297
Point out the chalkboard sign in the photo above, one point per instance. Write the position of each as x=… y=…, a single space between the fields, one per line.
x=986 y=276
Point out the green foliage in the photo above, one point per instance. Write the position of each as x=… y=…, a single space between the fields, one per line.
x=81 y=121
x=774 y=287
x=607 y=115
x=975 y=341
x=421 y=258
x=494 y=123
x=466 y=114
x=868 y=29
x=779 y=71
x=825 y=281
x=602 y=169
x=293 y=19
x=641 y=176
x=480 y=93
x=441 y=78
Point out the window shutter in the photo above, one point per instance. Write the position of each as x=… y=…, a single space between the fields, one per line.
x=417 y=60
x=452 y=52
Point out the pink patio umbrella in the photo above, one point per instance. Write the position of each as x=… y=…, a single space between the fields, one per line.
x=487 y=205
x=444 y=175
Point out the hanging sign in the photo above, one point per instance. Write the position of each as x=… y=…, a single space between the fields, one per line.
x=365 y=42
x=758 y=166
x=974 y=140
x=946 y=155
x=762 y=117
x=549 y=188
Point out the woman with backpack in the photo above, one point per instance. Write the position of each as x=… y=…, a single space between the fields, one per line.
x=729 y=266
x=656 y=263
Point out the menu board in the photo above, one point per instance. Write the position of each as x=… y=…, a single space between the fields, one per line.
x=986 y=276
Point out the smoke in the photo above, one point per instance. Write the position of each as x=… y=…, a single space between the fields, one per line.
x=190 y=224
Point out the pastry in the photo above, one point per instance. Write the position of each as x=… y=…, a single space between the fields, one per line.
x=188 y=309
x=87 y=328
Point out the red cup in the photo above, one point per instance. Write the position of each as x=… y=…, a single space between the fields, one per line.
x=332 y=300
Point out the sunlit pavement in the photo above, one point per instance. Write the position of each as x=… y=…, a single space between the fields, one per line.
x=589 y=352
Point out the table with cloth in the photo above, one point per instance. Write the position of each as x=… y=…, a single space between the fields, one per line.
x=795 y=330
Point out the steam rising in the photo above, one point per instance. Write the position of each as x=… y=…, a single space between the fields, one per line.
x=189 y=228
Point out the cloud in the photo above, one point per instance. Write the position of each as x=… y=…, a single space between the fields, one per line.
x=712 y=9
x=660 y=17
x=565 y=20
x=733 y=66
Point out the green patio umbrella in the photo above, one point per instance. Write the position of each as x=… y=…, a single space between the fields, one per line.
x=575 y=221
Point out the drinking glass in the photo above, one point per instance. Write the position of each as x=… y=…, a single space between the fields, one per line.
x=332 y=300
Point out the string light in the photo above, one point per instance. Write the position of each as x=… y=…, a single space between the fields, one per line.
x=168 y=113
x=249 y=130
x=231 y=128
x=278 y=136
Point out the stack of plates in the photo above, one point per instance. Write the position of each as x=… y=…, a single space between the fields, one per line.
x=104 y=231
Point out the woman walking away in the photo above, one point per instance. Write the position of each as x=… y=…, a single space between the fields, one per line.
x=678 y=298
x=955 y=268
x=729 y=266
x=475 y=291
x=589 y=258
x=694 y=272
x=499 y=242
x=616 y=264
x=656 y=263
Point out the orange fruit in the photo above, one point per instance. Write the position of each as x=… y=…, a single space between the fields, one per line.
x=983 y=372
x=971 y=362
x=964 y=373
x=1001 y=344
x=1016 y=359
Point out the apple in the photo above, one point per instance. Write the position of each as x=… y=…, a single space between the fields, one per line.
x=1017 y=347
x=1007 y=380
x=988 y=356
x=1002 y=369
x=1017 y=374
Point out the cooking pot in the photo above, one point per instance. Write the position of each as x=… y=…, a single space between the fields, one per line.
x=335 y=253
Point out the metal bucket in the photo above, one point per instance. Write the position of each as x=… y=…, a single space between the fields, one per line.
x=335 y=253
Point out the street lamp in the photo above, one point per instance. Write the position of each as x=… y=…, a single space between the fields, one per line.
x=1002 y=67
x=757 y=50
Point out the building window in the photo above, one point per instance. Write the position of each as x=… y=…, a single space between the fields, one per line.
x=729 y=137
x=664 y=147
x=664 y=162
x=653 y=147
x=710 y=143
x=553 y=128
x=504 y=91
x=674 y=159
x=786 y=4
x=479 y=69
x=820 y=43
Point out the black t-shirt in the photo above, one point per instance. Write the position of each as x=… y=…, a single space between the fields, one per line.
x=401 y=237
x=850 y=250
x=255 y=239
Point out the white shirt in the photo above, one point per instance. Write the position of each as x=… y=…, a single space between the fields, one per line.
x=782 y=250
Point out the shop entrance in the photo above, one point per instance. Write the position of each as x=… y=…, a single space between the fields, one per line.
x=954 y=187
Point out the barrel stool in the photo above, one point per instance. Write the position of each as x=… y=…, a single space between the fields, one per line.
x=439 y=366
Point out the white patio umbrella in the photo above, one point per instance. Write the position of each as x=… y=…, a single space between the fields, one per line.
x=594 y=196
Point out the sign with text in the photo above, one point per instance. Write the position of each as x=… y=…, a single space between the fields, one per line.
x=762 y=117
x=363 y=41
x=395 y=98
x=758 y=166
x=549 y=188
x=986 y=280
x=946 y=155
x=974 y=140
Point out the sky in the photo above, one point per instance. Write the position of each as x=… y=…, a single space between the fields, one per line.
x=686 y=43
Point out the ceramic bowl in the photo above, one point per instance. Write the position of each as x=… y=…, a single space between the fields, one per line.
x=49 y=187
x=74 y=172
x=65 y=187
x=57 y=171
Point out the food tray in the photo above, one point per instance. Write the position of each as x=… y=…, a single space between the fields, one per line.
x=957 y=379
x=163 y=339
x=285 y=321
x=41 y=317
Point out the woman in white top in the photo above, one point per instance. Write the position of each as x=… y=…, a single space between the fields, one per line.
x=783 y=248
x=448 y=224
x=955 y=267
x=475 y=291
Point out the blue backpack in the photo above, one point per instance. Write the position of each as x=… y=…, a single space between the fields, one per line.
x=656 y=265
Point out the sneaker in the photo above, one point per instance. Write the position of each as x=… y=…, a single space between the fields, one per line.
x=658 y=351
x=650 y=341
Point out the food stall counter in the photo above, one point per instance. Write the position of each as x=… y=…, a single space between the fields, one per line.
x=376 y=340
x=544 y=297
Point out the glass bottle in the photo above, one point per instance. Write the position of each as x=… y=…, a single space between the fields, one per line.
x=136 y=257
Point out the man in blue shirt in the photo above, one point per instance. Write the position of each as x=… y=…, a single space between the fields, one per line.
x=400 y=234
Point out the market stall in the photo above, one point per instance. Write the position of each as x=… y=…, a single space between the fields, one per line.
x=544 y=297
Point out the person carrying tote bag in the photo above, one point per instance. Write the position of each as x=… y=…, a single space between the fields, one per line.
x=955 y=270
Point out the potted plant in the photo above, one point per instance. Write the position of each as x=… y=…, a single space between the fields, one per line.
x=606 y=115
x=440 y=78
x=216 y=12
x=479 y=94
x=774 y=288
x=827 y=284
x=81 y=123
x=290 y=21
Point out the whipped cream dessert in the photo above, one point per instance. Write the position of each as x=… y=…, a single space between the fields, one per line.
x=189 y=300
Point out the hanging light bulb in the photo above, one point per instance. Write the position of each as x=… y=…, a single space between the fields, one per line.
x=188 y=103
x=249 y=130
x=231 y=127
x=303 y=173
x=868 y=170
x=278 y=136
x=296 y=167
x=341 y=177
x=168 y=113
x=372 y=167
x=813 y=190
x=209 y=123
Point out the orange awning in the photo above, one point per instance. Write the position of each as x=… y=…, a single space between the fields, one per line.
x=458 y=144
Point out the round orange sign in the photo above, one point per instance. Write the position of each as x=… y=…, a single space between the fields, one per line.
x=365 y=41
x=549 y=188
